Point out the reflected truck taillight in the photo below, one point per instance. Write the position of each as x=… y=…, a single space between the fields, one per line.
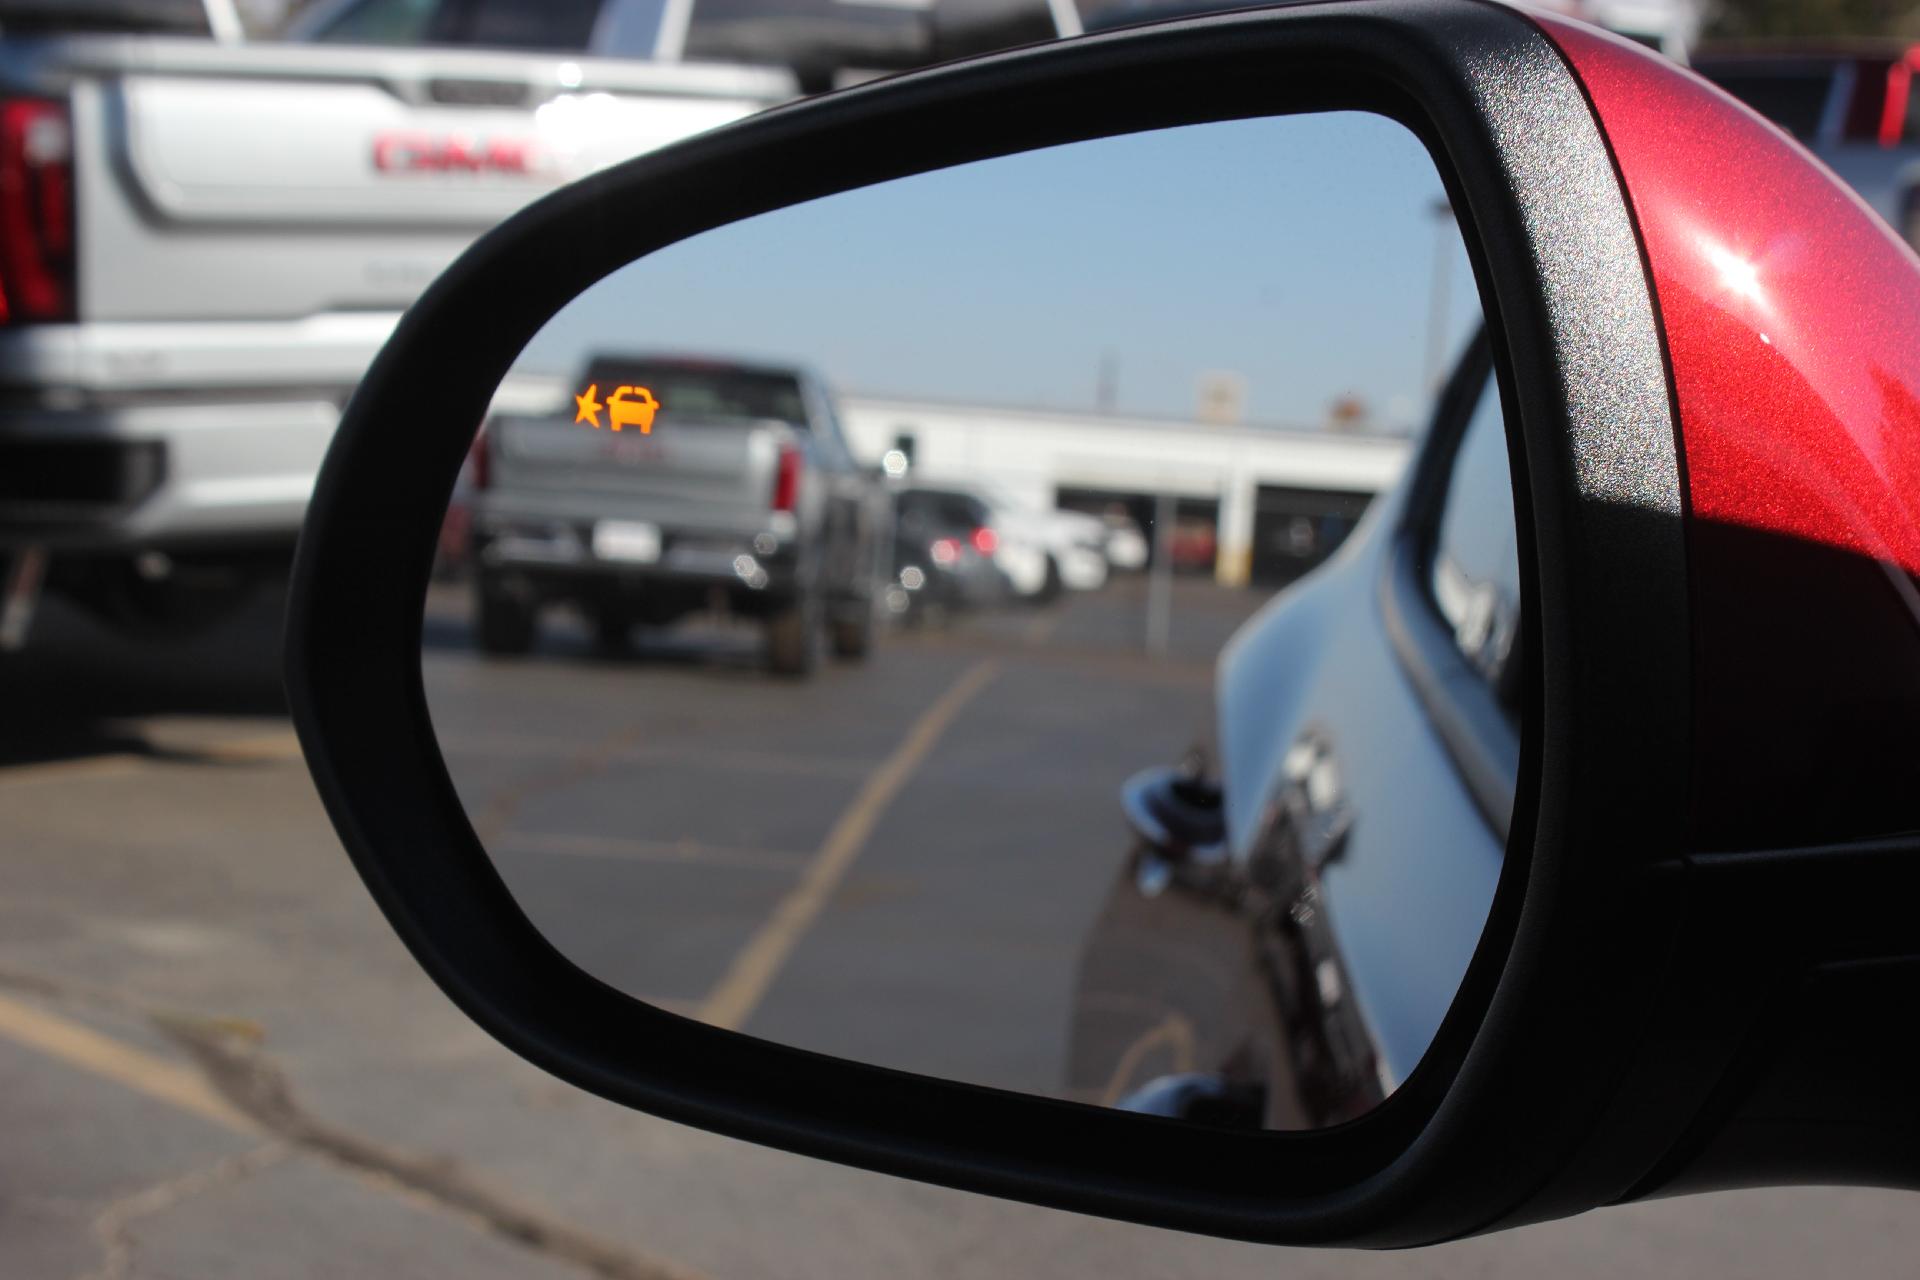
x=479 y=461
x=786 y=478
x=456 y=528
x=36 y=211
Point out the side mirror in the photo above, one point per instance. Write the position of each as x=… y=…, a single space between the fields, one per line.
x=1519 y=804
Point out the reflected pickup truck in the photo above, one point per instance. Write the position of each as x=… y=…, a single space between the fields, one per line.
x=727 y=486
x=202 y=246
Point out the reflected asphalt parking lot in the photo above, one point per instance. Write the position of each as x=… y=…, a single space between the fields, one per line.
x=217 y=1061
x=896 y=862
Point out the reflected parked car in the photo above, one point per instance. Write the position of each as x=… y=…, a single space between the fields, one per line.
x=1012 y=542
x=944 y=546
x=1126 y=546
x=1045 y=550
x=1193 y=544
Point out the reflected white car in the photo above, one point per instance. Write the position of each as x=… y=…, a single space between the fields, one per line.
x=1043 y=550
x=1126 y=544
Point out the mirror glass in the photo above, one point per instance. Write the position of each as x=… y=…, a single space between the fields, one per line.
x=940 y=625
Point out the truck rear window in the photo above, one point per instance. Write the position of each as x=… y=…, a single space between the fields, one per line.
x=558 y=26
x=693 y=392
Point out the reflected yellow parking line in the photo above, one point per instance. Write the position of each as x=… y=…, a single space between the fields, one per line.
x=1174 y=1033
x=739 y=993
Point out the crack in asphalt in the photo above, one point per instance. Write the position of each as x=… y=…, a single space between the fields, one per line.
x=113 y=1225
x=228 y=1053
x=590 y=760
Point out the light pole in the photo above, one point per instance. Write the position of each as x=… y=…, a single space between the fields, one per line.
x=1437 y=299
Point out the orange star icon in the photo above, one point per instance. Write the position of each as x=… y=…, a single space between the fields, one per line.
x=589 y=407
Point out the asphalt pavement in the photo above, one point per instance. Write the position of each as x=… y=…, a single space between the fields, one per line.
x=216 y=1060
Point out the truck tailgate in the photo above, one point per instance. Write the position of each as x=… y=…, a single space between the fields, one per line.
x=686 y=475
x=277 y=182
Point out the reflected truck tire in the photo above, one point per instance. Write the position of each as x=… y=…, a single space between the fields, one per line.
x=853 y=635
x=794 y=635
x=504 y=625
x=612 y=629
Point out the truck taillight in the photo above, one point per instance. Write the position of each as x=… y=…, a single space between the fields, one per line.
x=479 y=461
x=786 y=478
x=36 y=211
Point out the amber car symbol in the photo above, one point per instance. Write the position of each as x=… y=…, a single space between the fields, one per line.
x=632 y=407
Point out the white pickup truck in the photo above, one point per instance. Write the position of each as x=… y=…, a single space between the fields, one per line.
x=203 y=244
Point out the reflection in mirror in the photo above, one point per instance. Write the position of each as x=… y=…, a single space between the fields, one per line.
x=890 y=626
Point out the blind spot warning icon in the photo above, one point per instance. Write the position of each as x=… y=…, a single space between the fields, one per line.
x=587 y=408
x=632 y=407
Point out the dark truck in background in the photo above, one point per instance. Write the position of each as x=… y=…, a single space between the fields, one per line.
x=735 y=488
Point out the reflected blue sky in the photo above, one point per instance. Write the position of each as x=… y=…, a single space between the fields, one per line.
x=1297 y=252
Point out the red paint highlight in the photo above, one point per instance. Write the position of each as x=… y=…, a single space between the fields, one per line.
x=1792 y=319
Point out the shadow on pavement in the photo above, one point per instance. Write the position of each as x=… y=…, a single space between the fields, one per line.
x=77 y=687
x=562 y=639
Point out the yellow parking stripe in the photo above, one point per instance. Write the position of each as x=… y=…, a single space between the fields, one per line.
x=739 y=993
x=110 y=766
x=123 y=1064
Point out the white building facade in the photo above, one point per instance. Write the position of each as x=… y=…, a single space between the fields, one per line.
x=1042 y=455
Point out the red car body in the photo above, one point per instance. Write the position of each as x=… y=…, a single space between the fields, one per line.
x=1792 y=318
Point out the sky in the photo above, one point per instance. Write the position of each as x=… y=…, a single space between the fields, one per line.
x=1296 y=252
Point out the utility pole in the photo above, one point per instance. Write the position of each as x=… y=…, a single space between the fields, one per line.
x=1438 y=299
x=1160 y=576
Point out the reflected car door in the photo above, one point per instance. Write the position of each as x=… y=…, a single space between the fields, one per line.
x=1251 y=965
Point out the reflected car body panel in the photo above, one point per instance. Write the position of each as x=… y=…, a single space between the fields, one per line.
x=1274 y=963
x=1792 y=319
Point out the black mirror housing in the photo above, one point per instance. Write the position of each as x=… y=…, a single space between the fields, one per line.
x=1510 y=1117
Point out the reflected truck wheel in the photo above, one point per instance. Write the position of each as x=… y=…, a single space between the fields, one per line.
x=853 y=633
x=793 y=637
x=612 y=629
x=504 y=625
